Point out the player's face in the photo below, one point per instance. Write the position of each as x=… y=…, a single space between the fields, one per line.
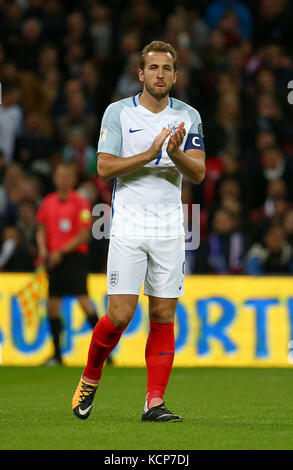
x=64 y=179
x=158 y=75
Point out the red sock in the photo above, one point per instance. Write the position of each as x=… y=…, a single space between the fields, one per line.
x=104 y=339
x=159 y=356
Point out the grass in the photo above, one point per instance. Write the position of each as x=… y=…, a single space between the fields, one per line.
x=227 y=409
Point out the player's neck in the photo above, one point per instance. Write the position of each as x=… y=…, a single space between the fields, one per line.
x=63 y=195
x=151 y=103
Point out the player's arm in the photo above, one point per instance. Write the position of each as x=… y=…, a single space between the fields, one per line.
x=191 y=162
x=83 y=236
x=110 y=166
x=57 y=256
x=41 y=243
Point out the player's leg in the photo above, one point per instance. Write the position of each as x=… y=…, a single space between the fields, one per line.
x=105 y=337
x=126 y=268
x=163 y=284
x=107 y=334
x=55 y=280
x=92 y=315
x=56 y=328
x=89 y=309
x=76 y=284
x=160 y=348
x=159 y=356
x=127 y=264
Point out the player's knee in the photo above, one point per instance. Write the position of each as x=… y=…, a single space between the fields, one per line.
x=160 y=314
x=120 y=319
x=120 y=323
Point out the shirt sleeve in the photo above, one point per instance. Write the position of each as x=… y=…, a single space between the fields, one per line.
x=110 y=139
x=195 y=134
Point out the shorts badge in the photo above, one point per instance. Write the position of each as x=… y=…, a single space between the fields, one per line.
x=113 y=278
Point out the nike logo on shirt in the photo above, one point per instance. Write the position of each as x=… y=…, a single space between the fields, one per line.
x=134 y=130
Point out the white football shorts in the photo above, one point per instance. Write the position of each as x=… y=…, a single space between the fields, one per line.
x=159 y=263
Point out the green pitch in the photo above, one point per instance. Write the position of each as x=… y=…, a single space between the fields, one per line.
x=222 y=409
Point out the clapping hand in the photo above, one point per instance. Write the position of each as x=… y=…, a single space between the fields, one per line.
x=176 y=140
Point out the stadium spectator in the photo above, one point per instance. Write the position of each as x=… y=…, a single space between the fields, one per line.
x=269 y=116
x=28 y=47
x=214 y=55
x=76 y=31
x=11 y=121
x=13 y=257
x=129 y=42
x=70 y=87
x=223 y=132
x=74 y=57
x=27 y=226
x=274 y=56
x=253 y=149
x=271 y=257
x=29 y=84
x=195 y=26
x=76 y=117
x=183 y=90
x=12 y=17
x=53 y=19
x=144 y=17
x=10 y=192
x=273 y=23
x=50 y=85
x=101 y=31
x=228 y=186
x=95 y=89
x=273 y=166
x=224 y=249
x=82 y=155
x=231 y=170
x=276 y=190
x=34 y=144
x=219 y=9
x=128 y=83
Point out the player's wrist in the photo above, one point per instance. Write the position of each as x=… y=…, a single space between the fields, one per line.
x=174 y=154
x=150 y=155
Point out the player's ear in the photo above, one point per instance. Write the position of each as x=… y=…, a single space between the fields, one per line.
x=140 y=75
x=175 y=77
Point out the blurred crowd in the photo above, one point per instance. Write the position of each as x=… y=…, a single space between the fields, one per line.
x=62 y=63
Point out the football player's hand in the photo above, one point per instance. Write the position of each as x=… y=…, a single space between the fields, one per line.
x=158 y=142
x=176 y=140
x=54 y=259
x=43 y=255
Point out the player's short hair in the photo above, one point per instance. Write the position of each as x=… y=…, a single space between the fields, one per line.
x=158 y=46
x=67 y=165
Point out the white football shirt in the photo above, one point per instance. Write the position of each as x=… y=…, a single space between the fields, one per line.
x=147 y=202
